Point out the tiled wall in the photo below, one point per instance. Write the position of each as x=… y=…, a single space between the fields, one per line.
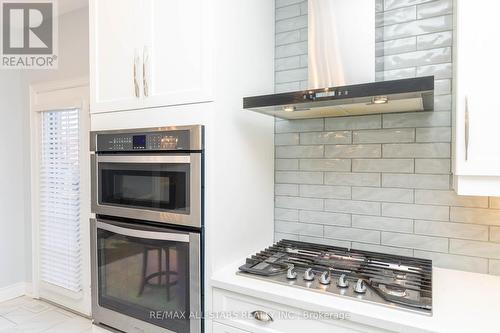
x=381 y=182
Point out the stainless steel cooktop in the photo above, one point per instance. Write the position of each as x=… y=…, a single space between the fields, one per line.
x=391 y=280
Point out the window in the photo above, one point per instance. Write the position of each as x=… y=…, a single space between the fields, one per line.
x=60 y=243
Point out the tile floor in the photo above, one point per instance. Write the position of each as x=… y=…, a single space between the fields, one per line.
x=26 y=315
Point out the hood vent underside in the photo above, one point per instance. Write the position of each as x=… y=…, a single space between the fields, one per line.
x=407 y=95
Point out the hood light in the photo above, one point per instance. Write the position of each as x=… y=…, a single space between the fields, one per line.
x=289 y=108
x=380 y=100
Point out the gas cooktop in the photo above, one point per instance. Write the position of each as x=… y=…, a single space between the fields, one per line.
x=396 y=281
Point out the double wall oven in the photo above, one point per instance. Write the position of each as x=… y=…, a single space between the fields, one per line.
x=147 y=236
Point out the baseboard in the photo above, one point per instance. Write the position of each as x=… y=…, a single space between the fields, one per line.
x=13 y=291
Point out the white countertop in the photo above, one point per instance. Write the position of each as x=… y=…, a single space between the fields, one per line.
x=462 y=302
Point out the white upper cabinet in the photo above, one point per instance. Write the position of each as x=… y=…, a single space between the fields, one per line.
x=477 y=111
x=177 y=57
x=116 y=34
x=149 y=53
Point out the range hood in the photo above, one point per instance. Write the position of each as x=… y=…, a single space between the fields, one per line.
x=341 y=60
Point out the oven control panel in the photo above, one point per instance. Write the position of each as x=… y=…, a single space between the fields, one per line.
x=152 y=141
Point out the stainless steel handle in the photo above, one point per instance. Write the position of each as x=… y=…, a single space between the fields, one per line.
x=136 y=83
x=176 y=159
x=262 y=316
x=145 y=71
x=184 y=238
x=467 y=126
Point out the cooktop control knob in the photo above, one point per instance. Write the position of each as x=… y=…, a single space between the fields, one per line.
x=309 y=274
x=342 y=282
x=291 y=274
x=325 y=278
x=360 y=287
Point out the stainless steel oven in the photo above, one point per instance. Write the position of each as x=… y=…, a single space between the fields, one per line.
x=147 y=237
x=145 y=278
x=149 y=174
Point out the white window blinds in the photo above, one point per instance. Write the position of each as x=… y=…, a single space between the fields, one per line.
x=60 y=242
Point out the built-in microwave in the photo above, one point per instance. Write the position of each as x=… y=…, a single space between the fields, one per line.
x=150 y=174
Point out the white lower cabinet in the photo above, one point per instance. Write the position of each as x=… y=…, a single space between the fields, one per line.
x=221 y=328
x=237 y=313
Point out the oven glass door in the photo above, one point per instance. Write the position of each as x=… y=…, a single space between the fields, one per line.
x=148 y=275
x=145 y=182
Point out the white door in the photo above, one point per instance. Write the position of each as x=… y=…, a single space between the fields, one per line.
x=477 y=108
x=177 y=56
x=116 y=34
x=61 y=194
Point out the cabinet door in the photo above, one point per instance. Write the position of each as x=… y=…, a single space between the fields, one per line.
x=177 y=57
x=477 y=109
x=116 y=34
x=220 y=328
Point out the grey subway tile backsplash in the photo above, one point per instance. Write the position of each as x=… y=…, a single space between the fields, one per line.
x=433 y=166
x=416 y=181
x=435 y=8
x=416 y=242
x=286 y=214
x=301 y=177
x=326 y=218
x=352 y=179
x=306 y=125
x=299 y=151
x=438 y=39
x=352 y=207
x=355 y=151
x=452 y=230
x=417 y=119
x=383 y=165
x=331 y=164
x=299 y=203
x=382 y=194
x=381 y=182
x=352 y=234
x=384 y=136
x=339 y=137
x=434 y=134
x=449 y=198
x=325 y=191
x=411 y=211
x=291 y=190
x=286 y=139
x=286 y=164
x=382 y=223
x=418 y=150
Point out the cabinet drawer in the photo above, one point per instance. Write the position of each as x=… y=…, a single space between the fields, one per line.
x=276 y=318
x=220 y=328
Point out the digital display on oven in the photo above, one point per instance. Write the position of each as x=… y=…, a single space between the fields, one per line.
x=139 y=141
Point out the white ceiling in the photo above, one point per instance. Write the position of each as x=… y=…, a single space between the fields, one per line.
x=66 y=6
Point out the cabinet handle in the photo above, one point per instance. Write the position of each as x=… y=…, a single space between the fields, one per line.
x=262 y=316
x=136 y=83
x=466 y=130
x=145 y=71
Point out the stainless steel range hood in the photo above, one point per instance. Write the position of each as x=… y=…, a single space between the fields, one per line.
x=341 y=60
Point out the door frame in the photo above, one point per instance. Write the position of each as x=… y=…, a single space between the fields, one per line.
x=67 y=94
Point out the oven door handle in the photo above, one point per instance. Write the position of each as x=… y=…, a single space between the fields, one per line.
x=173 y=159
x=137 y=233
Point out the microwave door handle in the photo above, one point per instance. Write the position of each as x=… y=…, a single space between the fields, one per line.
x=173 y=159
x=137 y=233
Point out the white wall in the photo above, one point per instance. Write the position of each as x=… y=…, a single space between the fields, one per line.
x=12 y=179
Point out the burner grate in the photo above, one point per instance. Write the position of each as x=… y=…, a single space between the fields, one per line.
x=396 y=279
